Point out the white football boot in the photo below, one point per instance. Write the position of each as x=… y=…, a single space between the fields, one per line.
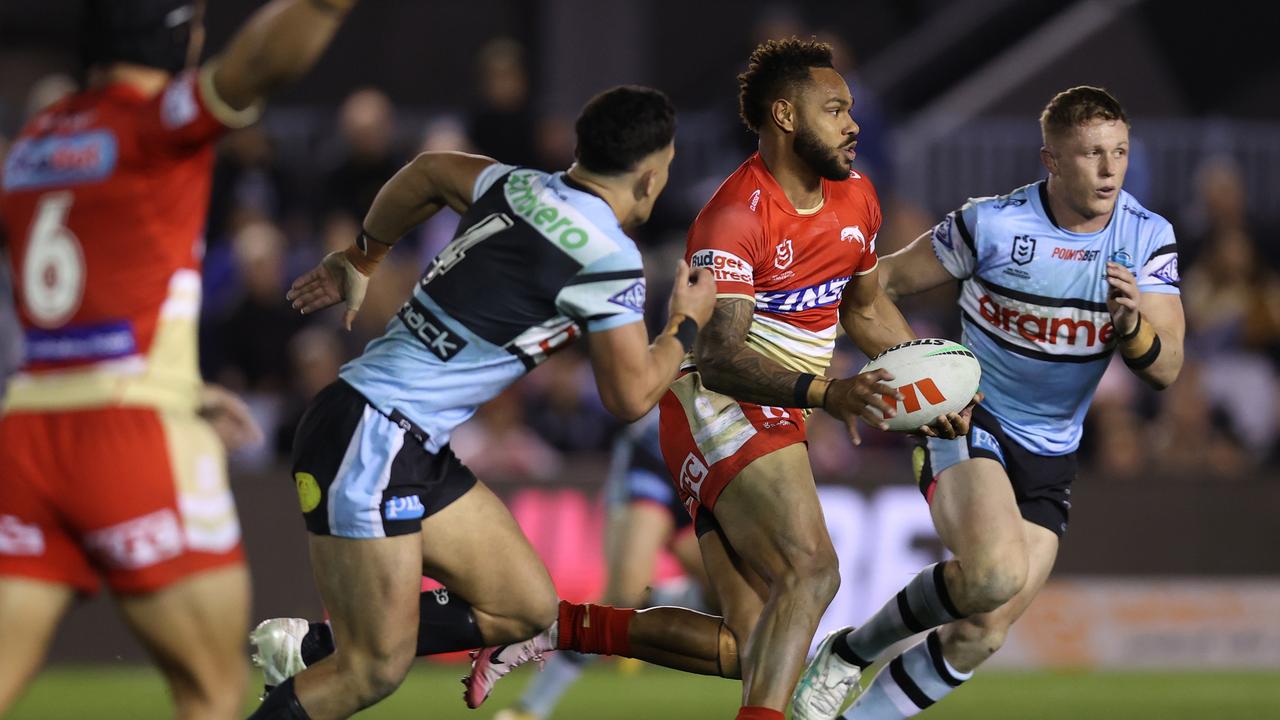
x=827 y=684
x=277 y=649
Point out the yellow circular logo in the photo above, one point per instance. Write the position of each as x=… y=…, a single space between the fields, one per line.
x=308 y=491
x=917 y=463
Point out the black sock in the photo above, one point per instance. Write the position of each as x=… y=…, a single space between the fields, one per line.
x=281 y=704
x=317 y=644
x=842 y=650
x=446 y=623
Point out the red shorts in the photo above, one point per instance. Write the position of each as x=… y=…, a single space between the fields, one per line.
x=708 y=438
x=136 y=496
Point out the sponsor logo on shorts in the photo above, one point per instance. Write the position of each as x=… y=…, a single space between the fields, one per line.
x=723 y=265
x=424 y=325
x=632 y=298
x=441 y=596
x=308 y=491
x=403 y=508
x=692 y=474
x=19 y=538
x=141 y=542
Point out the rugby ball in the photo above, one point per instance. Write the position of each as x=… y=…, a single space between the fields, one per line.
x=935 y=377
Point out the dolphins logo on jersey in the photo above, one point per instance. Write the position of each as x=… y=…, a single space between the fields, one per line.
x=853 y=232
x=1024 y=249
x=785 y=255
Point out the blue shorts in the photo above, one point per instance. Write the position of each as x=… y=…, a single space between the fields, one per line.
x=362 y=474
x=637 y=473
x=1041 y=483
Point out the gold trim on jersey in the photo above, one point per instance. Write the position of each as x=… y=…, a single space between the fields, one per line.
x=167 y=377
x=792 y=347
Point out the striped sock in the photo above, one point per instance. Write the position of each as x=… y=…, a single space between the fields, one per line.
x=923 y=604
x=913 y=681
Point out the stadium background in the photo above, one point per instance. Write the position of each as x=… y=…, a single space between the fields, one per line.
x=1167 y=593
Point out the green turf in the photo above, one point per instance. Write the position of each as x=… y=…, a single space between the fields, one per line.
x=433 y=693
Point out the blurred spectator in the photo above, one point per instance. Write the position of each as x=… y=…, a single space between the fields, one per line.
x=498 y=443
x=1192 y=437
x=503 y=123
x=875 y=150
x=565 y=408
x=247 y=184
x=1218 y=206
x=249 y=352
x=365 y=159
x=1232 y=297
x=315 y=355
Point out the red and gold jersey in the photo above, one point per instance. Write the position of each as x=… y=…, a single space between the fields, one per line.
x=103 y=200
x=792 y=264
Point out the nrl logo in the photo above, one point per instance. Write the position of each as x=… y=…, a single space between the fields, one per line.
x=1024 y=249
x=785 y=255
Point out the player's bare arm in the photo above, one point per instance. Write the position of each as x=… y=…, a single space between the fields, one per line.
x=913 y=269
x=632 y=374
x=419 y=190
x=1149 y=328
x=275 y=46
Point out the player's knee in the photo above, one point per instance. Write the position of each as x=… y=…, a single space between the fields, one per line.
x=814 y=574
x=992 y=587
x=538 y=615
x=373 y=675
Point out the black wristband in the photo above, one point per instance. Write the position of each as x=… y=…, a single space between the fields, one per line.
x=686 y=333
x=1134 y=332
x=363 y=238
x=1144 y=361
x=800 y=398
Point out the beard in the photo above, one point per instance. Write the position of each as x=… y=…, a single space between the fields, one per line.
x=823 y=160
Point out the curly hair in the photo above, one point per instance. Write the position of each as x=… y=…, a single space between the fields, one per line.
x=776 y=66
x=1077 y=106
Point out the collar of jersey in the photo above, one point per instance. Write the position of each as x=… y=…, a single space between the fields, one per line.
x=775 y=192
x=1041 y=201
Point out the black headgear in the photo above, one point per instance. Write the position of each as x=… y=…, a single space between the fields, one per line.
x=155 y=33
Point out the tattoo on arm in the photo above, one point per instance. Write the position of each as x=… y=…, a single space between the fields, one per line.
x=731 y=368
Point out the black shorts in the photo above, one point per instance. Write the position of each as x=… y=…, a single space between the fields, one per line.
x=1041 y=483
x=363 y=474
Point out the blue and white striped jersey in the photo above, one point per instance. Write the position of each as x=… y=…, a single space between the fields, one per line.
x=1033 y=304
x=535 y=263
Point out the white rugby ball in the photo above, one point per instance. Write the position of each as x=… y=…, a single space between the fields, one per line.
x=935 y=377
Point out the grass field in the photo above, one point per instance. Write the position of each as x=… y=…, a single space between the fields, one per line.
x=432 y=692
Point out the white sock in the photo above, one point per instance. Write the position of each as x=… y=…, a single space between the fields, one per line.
x=911 y=682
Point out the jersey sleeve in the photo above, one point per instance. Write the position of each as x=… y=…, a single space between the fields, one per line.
x=606 y=294
x=953 y=241
x=189 y=113
x=1159 y=274
x=724 y=240
x=869 y=259
x=487 y=177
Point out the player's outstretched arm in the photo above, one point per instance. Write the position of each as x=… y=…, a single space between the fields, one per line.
x=870 y=318
x=630 y=372
x=1150 y=328
x=419 y=190
x=913 y=269
x=279 y=43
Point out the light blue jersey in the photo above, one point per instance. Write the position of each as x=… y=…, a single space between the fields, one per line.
x=535 y=263
x=1033 y=301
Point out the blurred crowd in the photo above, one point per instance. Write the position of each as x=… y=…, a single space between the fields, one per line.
x=278 y=205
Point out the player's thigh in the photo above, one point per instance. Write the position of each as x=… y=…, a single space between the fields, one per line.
x=29 y=613
x=640 y=531
x=370 y=589
x=475 y=548
x=194 y=628
x=771 y=516
x=976 y=513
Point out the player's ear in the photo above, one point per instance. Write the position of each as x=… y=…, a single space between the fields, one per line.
x=646 y=185
x=784 y=114
x=1049 y=161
